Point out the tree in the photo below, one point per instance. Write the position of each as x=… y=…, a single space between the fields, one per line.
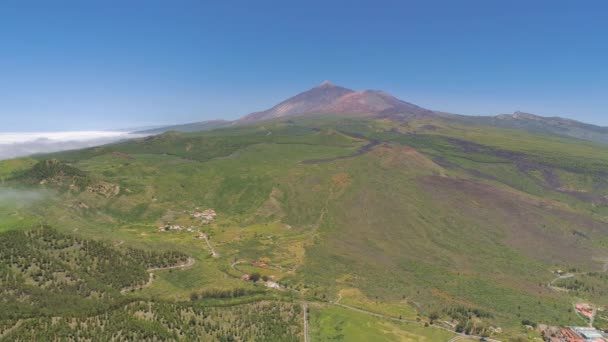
x=254 y=277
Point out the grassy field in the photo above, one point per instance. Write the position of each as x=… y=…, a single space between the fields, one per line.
x=339 y=324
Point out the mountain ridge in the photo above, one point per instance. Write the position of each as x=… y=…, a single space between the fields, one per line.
x=329 y=98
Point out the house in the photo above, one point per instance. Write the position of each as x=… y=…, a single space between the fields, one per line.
x=272 y=285
x=582 y=334
x=584 y=309
x=207 y=216
x=570 y=336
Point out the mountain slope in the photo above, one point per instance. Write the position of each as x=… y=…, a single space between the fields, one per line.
x=403 y=218
x=329 y=98
x=191 y=127
x=541 y=124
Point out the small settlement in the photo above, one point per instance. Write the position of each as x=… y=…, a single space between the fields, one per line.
x=168 y=227
x=576 y=334
x=206 y=216
x=267 y=281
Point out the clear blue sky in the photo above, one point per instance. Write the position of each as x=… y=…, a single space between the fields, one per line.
x=106 y=64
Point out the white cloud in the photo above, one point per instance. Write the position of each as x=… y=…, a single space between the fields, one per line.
x=20 y=197
x=23 y=144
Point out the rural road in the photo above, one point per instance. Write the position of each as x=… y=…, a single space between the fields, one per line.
x=370 y=313
x=214 y=253
x=188 y=263
x=584 y=318
x=306 y=333
x=150 y=271
x=233 y=265
x=11 y=329
x=459 y=335
x=556 y=288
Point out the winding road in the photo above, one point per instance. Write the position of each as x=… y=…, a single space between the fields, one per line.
x=151 y=271
x=557 y=288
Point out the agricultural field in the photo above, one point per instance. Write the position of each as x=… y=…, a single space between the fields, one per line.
x=339 y=324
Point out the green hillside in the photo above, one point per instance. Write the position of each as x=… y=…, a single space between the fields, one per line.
x=425 y=221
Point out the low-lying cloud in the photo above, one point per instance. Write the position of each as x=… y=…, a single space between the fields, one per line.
x=14 y=145
x=9 y=196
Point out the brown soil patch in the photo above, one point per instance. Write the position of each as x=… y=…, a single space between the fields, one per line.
x=547 y=233
x=341 y=180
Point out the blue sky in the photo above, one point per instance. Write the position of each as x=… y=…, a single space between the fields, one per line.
x=67 y=65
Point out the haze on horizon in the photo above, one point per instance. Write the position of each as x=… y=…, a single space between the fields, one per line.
x=109 y=64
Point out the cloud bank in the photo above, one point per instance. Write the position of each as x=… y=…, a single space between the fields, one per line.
x=14 y=145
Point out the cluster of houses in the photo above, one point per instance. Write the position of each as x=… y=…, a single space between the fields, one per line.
x=268 y=283
x=206 y=216
x=167 y=227
x=576 y=334
x=585 y=310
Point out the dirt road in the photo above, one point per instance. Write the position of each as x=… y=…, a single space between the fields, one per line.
x=214 y=253
x=150 y=271
x=459 y=335
x=557 y=288
x=306 y=333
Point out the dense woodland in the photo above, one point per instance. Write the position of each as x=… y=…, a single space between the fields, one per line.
x=55 y=172
x=147 y=321
x=46 y=273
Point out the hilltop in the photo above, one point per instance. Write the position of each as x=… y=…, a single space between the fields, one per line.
x=330 y=98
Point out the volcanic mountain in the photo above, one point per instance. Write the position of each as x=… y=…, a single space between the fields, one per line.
x=330 y=98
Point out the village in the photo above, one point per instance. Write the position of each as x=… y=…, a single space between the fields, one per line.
x=207 y=217
x=588 y=333
x=574 y=334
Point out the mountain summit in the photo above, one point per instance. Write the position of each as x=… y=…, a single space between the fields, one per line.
x=330 y=98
